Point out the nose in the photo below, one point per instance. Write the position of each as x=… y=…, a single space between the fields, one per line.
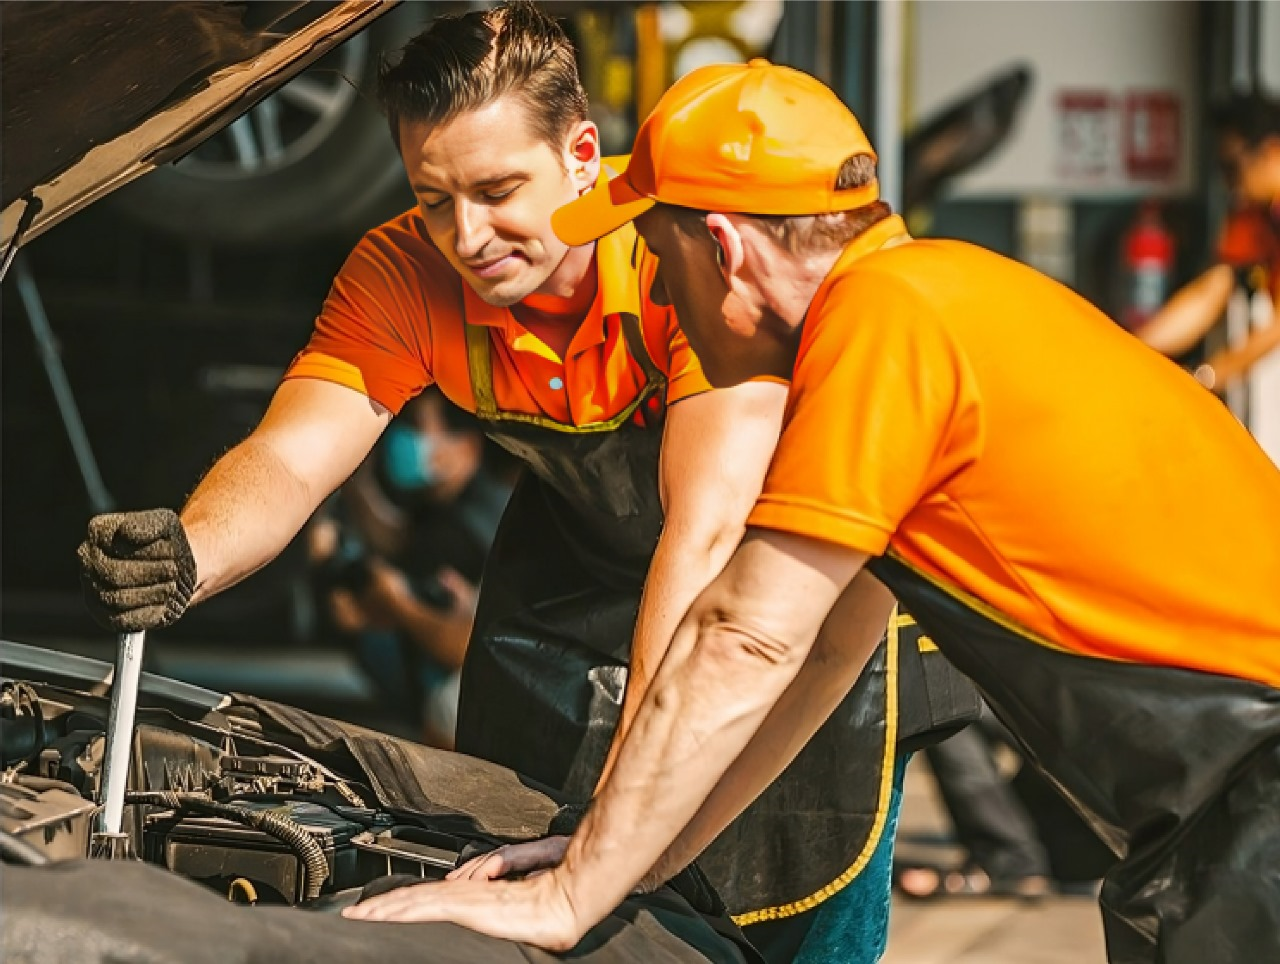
x=471 y=229
x=658 y=290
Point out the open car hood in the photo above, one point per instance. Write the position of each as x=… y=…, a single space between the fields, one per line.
x=98 y=94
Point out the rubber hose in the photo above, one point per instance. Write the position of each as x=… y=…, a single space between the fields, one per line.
x=292 y=833
x=15 y=850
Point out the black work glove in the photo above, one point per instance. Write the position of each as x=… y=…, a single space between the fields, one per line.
x=137 y=570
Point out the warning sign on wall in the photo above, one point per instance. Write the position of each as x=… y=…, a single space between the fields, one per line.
x=1151 y=136
x=1086 y=135
x=1129 y=138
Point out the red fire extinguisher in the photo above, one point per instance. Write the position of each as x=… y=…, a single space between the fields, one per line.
x=1148 y=267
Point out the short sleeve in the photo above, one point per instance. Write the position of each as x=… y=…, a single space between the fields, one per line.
x=1243 y=241
x=881 y=411
x=371 y=334
x=684 y=371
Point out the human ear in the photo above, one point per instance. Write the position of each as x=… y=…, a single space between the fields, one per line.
x=582 y=155
x=729 y=252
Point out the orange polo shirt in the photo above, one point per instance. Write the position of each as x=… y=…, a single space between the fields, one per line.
x=962 y=410
x=393 y=324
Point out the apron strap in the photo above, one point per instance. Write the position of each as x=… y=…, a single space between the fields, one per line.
x=639 y=350
x=480 y=363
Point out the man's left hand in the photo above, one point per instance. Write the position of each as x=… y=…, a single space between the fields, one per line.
x=536 y=911
x=533 y=856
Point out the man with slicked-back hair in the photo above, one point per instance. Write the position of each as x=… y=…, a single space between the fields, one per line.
x=638 y=484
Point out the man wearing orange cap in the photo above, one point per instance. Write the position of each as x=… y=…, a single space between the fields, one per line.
x=638 y=480
x=954 y=433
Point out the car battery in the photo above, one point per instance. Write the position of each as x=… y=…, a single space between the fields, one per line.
x=217 y=851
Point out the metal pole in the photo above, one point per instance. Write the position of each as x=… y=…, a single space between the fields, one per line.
x=888 y=115
x=1244 y=26
x=124 y=705
x=47 y=347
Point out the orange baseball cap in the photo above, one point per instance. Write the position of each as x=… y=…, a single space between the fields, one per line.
x=754 y=138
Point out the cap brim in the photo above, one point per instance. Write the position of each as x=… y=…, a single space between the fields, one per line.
x=600 y=211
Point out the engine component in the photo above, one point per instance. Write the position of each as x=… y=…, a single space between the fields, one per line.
x=24 y=733
x=291 y=852
x=167 y=760
x=79 y=759
x=411 y=850
x=50 y=817
x=269 y=774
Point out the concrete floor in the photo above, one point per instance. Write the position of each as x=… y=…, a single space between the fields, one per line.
x=1057 y=930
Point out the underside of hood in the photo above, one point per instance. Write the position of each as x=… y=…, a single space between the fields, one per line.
x=98 y=94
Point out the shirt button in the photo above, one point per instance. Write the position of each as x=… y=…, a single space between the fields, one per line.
x=557 y=383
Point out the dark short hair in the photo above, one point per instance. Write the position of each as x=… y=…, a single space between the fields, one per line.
x=464 y=62
x=1252 y=117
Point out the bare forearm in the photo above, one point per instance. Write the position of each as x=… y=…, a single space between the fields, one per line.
x=681 y=569
x=834 y=664
x=679 y=745
x=1232 y=363
x=243 y=513
x=1190 y=313
x=715 y=452
x=735 y=653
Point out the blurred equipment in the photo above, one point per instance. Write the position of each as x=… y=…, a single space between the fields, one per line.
x=51 y=358
x=1148 y=265
x=961 y=136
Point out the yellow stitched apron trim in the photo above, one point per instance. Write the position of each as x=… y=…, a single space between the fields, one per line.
x=996 y=616
x=882 y=806
x=923 y=643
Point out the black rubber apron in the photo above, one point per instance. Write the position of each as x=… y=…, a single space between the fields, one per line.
x=544 y=676
x=1176 y=771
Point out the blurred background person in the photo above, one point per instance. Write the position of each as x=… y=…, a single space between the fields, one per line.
x=1016 y=837
x=1003 y=855
x=398 y=554
x=1247 y=131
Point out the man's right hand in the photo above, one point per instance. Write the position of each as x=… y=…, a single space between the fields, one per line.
x=137 y=569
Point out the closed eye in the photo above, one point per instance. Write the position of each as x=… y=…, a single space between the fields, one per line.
x=496 y=196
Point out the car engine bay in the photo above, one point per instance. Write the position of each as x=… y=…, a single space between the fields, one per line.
x=252 y=820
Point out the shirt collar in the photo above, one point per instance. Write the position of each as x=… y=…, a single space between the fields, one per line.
x=870 y=241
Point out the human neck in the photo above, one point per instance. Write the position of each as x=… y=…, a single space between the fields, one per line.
x=574 y=268
x=793 y=284
x=555 y=311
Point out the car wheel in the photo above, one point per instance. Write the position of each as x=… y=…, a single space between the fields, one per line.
x=313 y=159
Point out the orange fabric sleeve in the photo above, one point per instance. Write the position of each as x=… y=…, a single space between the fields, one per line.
x=882 y=410
x=1243 y=241
x=684 y=371
x=372 y=333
